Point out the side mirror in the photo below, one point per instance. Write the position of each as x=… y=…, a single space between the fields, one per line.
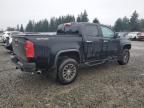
x=116 y=35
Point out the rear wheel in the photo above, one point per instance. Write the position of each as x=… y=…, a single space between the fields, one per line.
x=67 y=71
x=124 y=58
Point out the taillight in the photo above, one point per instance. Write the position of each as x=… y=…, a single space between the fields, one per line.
x=29 y=49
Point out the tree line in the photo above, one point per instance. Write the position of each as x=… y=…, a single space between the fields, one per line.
x=129 y=24
x=121 y=24
x=52 y=24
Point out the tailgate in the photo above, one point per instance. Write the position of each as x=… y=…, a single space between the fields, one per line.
x=18 y=47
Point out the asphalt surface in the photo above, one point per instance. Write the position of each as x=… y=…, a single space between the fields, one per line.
x=108 y=85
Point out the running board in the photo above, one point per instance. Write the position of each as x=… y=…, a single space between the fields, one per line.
x=94 y=63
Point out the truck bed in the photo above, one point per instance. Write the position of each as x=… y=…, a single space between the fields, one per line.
x=46 y=46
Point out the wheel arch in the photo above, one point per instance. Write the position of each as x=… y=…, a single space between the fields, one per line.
x=73 y=53
x=127 y=46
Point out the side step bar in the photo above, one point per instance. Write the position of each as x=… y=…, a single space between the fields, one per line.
x=94 y=63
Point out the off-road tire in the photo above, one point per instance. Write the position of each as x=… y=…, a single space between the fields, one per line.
x=67 y=71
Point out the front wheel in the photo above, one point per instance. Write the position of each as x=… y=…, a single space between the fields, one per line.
x=67 y=71
x=124 y=58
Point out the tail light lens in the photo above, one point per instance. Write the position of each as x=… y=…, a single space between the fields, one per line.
x=29 y=49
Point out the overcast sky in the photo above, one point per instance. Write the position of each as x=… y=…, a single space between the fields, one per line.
x=13 y=12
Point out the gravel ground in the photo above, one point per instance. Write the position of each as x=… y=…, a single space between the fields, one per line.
x=105 y=86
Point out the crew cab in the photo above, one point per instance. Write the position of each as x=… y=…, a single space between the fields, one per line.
x=74 y=44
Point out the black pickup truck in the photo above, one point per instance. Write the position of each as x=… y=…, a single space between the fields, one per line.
x=74 y=44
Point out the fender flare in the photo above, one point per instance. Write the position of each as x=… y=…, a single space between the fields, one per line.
x=64 y=51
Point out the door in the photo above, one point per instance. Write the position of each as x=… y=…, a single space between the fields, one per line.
x=92 y=43
x=111 y=44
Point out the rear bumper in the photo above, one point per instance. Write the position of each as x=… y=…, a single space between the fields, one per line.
x=24 y=66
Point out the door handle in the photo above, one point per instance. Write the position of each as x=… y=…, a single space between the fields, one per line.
x=89 y=41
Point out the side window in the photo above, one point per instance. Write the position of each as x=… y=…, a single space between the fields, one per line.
x=107 y=32
x=91 y=30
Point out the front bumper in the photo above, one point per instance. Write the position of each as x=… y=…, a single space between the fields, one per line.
x=141 y=37
x=8 y=46
x=24 y=66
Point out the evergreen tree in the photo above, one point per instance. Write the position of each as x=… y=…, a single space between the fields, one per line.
x=95 y=20
x=125 y=24
x=21 y=28
x=69 y=18
x=142 y=24
x=134 y=21
x=79 y=18
x=53 y=25
x=118 y=25
x=30 y=26
x=11 y=29
x=36 y=27
x=83 y=17
x=18 y=28
x=45 y=25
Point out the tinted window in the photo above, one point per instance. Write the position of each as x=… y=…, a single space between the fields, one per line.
x=68 y=29
x=71 y=29
x=107 y=32
x=91 y=30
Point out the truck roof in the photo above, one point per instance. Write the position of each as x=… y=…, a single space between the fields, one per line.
x=80 y=23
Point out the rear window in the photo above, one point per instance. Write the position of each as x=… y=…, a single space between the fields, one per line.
x=68 y=29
